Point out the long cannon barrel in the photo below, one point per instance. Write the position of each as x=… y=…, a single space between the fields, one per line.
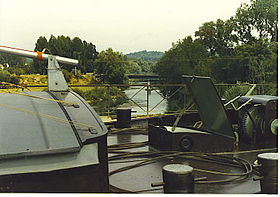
x=36 y=55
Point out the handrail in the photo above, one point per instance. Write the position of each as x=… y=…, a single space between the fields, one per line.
x=109 y=109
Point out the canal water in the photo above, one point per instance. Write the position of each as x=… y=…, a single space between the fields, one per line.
x=141 y=99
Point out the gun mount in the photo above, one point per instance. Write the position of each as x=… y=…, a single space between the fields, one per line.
x=50 y=134
x=56 y=80
x=36 y=55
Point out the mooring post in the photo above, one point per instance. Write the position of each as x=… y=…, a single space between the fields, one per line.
x=178 y=178
x=269 y=172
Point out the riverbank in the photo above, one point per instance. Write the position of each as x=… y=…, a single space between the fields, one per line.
x=105 y=100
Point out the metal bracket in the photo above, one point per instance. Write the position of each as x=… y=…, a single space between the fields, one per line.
x=180 y=115
x=56 y=80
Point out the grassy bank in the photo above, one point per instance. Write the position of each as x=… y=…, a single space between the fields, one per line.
x=100 y=98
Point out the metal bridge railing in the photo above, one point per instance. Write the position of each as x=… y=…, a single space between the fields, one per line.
x=167 y=93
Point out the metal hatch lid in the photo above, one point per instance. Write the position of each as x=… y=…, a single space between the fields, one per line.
x=25 y=130
x=211 y=109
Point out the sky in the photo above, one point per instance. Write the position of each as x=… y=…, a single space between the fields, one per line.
x=124 y=25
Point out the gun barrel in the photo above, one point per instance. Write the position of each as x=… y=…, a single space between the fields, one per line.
x=36 y=55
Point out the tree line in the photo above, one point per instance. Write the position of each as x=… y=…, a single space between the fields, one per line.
x=110 y=65
x=240 y=49
x=66 y=47
x=146 y=55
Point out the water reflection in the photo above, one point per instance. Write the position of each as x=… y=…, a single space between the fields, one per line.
x=122 y=139
x=141 y=99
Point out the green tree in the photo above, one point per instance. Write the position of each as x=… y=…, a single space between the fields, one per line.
x=41 y=45
x=181 y=59
x=146 y=66
x=5 y=76
x=77 y=48
x=12 y=60
x=100 y=98
x=203 y=68
x=112 y=66
x=15 y=64
x=133 y=67
x=261 y=16
x=65 y=47
x=265 y=18
x=260 y=58
x=88 y=56
x=241 y=47
x=146 y=55
x=229 y=69
x=218 y=37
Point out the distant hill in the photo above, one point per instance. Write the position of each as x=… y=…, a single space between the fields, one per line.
x=146 y=55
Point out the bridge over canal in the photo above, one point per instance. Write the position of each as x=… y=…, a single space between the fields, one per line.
x=143 y=77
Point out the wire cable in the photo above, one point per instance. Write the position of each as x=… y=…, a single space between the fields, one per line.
x=220 y=158
x=48 y=116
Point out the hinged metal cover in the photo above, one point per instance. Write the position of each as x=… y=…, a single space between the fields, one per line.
x=211 y=109
x=25 y=130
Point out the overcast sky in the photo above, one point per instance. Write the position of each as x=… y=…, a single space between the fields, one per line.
x=124 y=25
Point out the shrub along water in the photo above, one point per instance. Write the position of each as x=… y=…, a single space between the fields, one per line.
x=102 y=99
x=5 y=76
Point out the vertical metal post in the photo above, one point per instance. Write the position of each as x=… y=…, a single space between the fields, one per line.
x=185 y=96
x=108 y=105
x=148 y=92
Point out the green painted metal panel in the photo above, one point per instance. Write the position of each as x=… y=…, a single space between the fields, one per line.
x=211 y=109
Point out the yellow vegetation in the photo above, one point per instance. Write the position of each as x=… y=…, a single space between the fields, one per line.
x=36 y=79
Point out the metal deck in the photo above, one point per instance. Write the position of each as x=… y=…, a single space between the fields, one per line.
x=139 y=179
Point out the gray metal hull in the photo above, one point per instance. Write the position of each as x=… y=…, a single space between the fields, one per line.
x=48 y=145
x=90 y=178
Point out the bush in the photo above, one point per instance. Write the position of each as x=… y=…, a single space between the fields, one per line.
x=100 y=98
x=77 y=74
x=5 y=76
x=235 y=91
x=67 y=75
x=14 y=80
